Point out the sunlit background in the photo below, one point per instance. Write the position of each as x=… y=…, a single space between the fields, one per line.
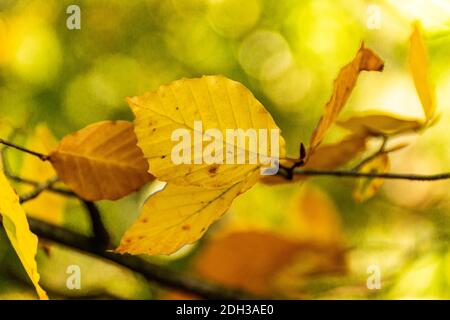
x=287 y=53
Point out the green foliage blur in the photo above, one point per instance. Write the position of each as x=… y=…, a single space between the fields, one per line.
x=287 y=53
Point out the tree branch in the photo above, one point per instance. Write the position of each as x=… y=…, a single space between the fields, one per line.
x=101 y=236
x=356 y=174
x=152 y=272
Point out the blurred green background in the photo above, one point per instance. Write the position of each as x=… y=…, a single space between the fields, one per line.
x=287 y=53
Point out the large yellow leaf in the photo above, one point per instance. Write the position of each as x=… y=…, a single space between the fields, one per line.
x=418 y=62
x=219 y=103
x=101 y=161
x=379 y=124
x=179 y=215
x=365 y=60
x=16 y=226
x=48 y=206
x=367 y=187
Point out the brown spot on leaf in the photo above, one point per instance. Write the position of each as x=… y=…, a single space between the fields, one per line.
x=213 y=170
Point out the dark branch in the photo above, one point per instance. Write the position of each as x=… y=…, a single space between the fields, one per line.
x=101 y=236
x=152 y=272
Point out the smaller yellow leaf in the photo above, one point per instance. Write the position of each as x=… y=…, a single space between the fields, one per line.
x=101 y=161
x=48 y=206
x=367 y=187
x=418 y=62
x=379 y=124
x=179 y=215
x=365 y=60
x=18 y=231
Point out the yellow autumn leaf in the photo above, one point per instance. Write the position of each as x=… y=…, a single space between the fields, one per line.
x=179 y=215
x=418 y=62
x=365 y=60
x=22 y=239
x=101 y=161
x=379 y=124
x=214 y=102
x=368 y=187
x=48 y=206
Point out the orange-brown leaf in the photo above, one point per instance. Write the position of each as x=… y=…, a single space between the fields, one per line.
x=101 y=161
x=335 y=155
x=246 y=260
x=253 y=260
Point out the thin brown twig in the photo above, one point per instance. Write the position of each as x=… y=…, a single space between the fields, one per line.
x=38 y=190
x=51 y=188
x=39 y=155
x=288 y=172
x=381 y=150
x=355 y=174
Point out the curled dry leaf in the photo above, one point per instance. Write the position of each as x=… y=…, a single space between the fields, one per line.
x=418 y=62
x=18 y=231
x=365 y=60
x=219 y=103
x=101 y=161
x=367 y=188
